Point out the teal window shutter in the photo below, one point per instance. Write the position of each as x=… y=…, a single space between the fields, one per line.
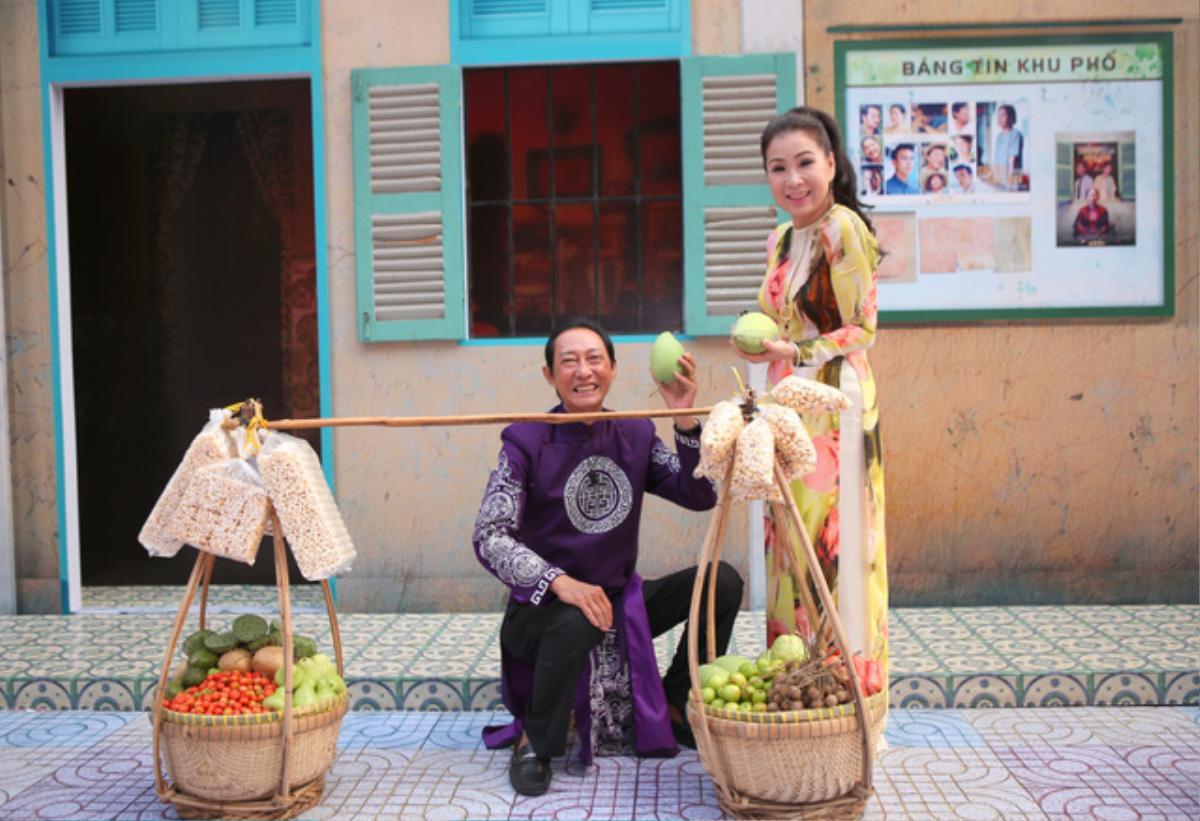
x=491 y=32
x=408 y=208
x=624 y=16
x=81 y=27
x=727 y=206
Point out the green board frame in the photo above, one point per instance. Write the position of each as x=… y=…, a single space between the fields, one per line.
x=844 y=48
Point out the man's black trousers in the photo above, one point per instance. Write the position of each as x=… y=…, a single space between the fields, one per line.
x=556 y=638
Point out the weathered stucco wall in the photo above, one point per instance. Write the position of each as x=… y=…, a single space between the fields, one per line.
x=1042 y=461
x=27 y=308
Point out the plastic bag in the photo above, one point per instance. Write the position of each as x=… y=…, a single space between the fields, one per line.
x=224 y=511
x=753 y=472
x=717 y=439
x=793 y=446
x=809 y=395
x=212 y=445
x=307 y=512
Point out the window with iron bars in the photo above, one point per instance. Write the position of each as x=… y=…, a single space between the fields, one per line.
x=574 y=197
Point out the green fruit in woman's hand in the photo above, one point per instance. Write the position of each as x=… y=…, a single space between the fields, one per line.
x=751 y=329
x=664 y=358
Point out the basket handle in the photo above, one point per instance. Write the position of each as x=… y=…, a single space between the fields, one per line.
x=833 y=620
x=285 y=616
x=202 y=567
x=710 y=553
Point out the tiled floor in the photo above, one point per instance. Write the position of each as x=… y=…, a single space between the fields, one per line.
x=1053 y=763
x=941 y=657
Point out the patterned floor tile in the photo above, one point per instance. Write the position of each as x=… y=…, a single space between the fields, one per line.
x=64 y=662
x=955 y=764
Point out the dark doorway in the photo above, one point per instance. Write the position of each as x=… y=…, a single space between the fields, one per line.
x=190 y=217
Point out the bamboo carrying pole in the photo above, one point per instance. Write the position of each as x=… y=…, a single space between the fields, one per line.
x=473 y=419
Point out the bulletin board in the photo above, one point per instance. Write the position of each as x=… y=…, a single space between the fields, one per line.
x=1015 y=177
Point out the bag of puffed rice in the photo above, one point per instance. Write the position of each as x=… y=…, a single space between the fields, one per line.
x=717 y=439
x=310 y=518
x=793 y=446
x=809 y=396
x=753 y=472
x=224 y=511
x=212 y=445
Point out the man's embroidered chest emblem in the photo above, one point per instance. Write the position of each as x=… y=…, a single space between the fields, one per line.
x=598 y=495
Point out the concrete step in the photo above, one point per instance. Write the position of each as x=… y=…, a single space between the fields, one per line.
x=1036 y=656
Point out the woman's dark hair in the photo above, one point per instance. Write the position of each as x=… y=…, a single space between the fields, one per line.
x=824 y=130
x=1012 y=114
x=579 y=322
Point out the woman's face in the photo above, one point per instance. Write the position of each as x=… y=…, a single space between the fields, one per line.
x=1002 y=118
x=871 y=150
x=799 y=173
x=936 y=183
x=896 y=113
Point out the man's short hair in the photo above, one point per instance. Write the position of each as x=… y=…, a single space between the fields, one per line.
x=579 y=322
x=957 y=107
x=902 y=147
x=961 y=167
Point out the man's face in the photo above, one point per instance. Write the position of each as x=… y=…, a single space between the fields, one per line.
x=582 y=372
x=871 y=118
x=1093 y=196
x=902 y=160
x=964 y=178
x=961 y=114
x=936 y=158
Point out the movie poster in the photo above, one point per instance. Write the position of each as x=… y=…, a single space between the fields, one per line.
x=1014 y=169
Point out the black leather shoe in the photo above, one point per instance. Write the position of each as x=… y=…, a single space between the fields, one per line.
x=529 y=774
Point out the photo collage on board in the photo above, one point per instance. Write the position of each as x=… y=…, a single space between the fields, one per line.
x=941 y=148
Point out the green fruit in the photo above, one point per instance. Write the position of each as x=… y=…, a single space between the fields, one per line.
x=739 y=680
x=664 y=358
x=203 y=659
x=717 y=703
x=751 y=329
x=249 y=628
x=731 y=693
x=174 y=687
x=756 y=682
x=717 y=679
x=760 y=706
x=788 y=648
x=730 y=662
x=747 y=669
x=707 y=695
x=744 y=707
x=758 y=696
x=195 y=641
x=193 y=676
x=220 y=643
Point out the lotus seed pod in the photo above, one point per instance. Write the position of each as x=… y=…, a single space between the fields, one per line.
x=753 y=472
x=664 y=358
x=809 y=396
x=720 y=434
x=751 y=330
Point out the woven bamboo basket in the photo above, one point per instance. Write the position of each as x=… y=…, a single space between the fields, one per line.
x=252 y=766
x=811 y=764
